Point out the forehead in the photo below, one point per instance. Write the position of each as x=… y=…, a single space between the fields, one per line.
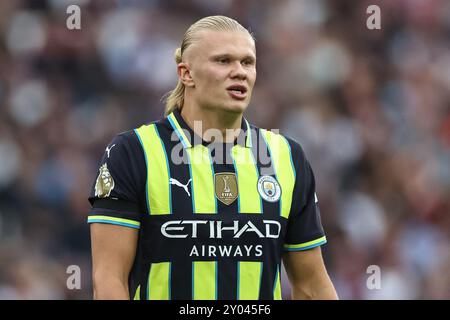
x=210 y=43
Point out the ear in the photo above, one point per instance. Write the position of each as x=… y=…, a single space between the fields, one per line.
x=184 y=74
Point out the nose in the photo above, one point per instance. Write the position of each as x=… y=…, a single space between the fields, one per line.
x=238 y=71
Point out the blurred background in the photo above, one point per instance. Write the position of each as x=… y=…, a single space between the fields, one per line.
x=371 y=109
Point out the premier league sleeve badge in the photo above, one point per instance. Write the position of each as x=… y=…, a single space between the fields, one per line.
x=104 y=183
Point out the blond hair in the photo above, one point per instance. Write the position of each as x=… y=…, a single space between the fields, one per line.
x=175 y=98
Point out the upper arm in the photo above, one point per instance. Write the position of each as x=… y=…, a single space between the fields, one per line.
x=118 y=193
x=303 y=266
x=304 y=228
x=303 y=257
x=308 y=276
x=113 y=251
x=118 y=204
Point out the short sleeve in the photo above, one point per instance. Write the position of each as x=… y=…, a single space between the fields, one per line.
x=116 y=194
x=304 y=229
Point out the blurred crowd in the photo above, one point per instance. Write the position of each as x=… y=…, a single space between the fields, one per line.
x=371 y=109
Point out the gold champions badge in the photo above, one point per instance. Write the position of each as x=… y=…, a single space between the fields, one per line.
x=226 y=187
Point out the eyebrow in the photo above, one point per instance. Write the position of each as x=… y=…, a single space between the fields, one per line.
x=228 y=55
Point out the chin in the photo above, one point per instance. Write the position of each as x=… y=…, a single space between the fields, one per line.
x=237 y=107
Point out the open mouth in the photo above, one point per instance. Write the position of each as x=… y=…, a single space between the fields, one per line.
x=238 y=92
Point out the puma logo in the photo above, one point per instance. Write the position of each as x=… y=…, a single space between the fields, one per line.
x=179 y=184
x=108 y=149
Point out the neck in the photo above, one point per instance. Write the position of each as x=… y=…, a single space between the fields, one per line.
x=217 y=125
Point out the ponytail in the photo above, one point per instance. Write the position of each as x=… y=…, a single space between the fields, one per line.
x=175 y=98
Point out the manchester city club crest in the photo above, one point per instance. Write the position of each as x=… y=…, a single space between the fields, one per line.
x=226 y=187
x=104 y=183
x=269 y=188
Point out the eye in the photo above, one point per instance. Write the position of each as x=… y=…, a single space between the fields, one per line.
x=248 y=62
x=223 y=60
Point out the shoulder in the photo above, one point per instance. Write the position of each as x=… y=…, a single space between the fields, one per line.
x=126 y=137
x=124 y=144
x=273 y=137
x=161 y=127
x=131 y=138
x=296 y=148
